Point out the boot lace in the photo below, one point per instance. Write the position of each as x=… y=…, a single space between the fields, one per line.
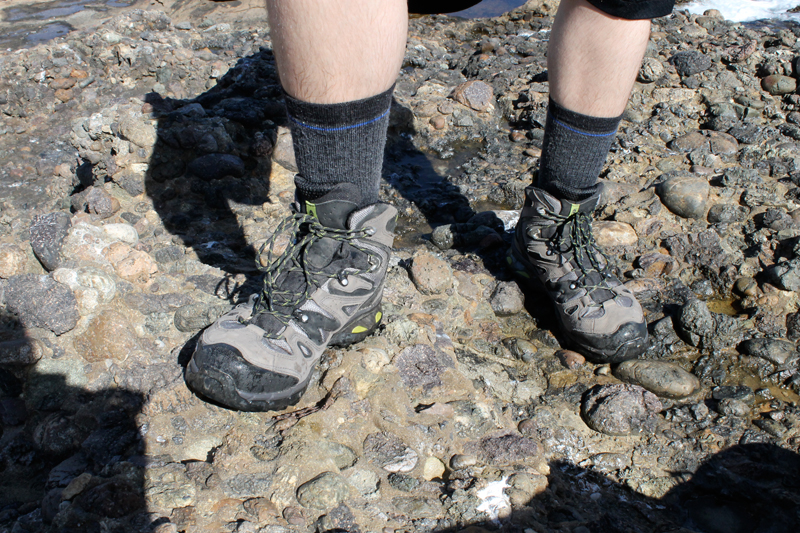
x=574 y=235
x=281 y=299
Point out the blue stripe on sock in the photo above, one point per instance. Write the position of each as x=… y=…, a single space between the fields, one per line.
x=582 y=132
x=342 y=128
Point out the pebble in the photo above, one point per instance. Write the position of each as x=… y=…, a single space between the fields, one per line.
x=474 y=94
x=422 y=366
x=570 y=359
x=506 y=449
x=459 y=461
x=690 y=62
x=12 y=260
x=21 y=352
x=430 y=274
x=778 y=85
x=122 y=233
x=662 y=378
x=521 y=349
x=609 y=233
x=41 y=302
x=726 y=213
x=197 y=316
x=47 y=236
x=695 y=322
x=324 y=492
x=507 y=299
x=686 y=196
x=366 y=482
x=433 y=468
x=137 y=131
x=656 y=264
x=733 y=407
x=776 y=351
x=283 y=152
x=108 y=335
x=388 y=452
x=620 y=409
x=651 y=70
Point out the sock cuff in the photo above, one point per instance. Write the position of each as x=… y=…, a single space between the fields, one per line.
x=582 y=124
x=339 y=117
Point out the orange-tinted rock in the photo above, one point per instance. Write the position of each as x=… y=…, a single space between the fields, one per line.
x=108 y=336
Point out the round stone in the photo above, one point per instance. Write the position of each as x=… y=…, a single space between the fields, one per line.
x=609 y=233
x=686 y=196
x=324 y=492
x=777 y=84
x=431 y=274
x=620 y=409
x=775 y=351
x=662 y=378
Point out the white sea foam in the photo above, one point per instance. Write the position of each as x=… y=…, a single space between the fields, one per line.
x=747 y=10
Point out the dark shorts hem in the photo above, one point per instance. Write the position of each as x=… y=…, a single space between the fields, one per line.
x=633 y=9
x=625 y=9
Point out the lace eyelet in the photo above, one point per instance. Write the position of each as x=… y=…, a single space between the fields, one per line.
x=370 y=231
x=549 y=252
x=342 y=277
x=573 y=286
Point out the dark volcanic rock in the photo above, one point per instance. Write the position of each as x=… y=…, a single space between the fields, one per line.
x=620 y=409
x=695 y=322
x=690 y=62
x=41 y=302
x=775 y=351
x=47 y=237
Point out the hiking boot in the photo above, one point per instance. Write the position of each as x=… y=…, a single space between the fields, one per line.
x=554 y=248
x=324 y=289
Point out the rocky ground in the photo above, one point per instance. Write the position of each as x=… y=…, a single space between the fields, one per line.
x=143 y=164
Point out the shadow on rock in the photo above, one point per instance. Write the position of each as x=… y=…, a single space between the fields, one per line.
x=752 y=488
x=71 y=458
x=210 y=167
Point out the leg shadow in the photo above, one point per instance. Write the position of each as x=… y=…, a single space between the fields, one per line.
x=749 y=488
x=210 y=166
x=71 y=459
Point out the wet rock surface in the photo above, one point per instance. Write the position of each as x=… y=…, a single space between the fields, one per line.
x=145 y=163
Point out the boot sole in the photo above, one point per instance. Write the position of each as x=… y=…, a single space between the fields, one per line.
x=623 y=351
x=220 y=388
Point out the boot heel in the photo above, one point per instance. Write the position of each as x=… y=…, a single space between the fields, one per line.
x=359 y=328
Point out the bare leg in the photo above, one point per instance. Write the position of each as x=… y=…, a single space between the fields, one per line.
x=593 y=59
x=333 y=51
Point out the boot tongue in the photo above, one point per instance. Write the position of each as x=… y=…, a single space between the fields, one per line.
x=587 y=206
x=333 y=209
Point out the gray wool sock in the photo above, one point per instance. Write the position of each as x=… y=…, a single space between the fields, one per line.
x=335 y=143
x=574 y=151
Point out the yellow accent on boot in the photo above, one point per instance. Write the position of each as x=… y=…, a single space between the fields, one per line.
x=574 y=208
x=311 y=210
x=359 y=329
x=378 y=316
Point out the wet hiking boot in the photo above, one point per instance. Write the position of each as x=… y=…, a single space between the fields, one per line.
x=554 y=248
x=324 y=289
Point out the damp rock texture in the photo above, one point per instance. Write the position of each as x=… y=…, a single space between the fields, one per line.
x=145 y=158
